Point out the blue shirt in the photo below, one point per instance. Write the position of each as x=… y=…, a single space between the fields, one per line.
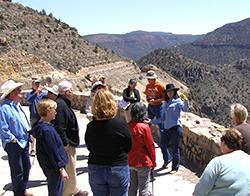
x=13 y=123
x=226 y=175
x=171 y=111
x=34 y=99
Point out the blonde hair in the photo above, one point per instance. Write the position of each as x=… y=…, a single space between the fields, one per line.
x=104 y=105
x=239 y=113
x=44 y=106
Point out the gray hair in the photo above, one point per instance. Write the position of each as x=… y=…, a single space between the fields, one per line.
x=138 y=112
x=239 y=113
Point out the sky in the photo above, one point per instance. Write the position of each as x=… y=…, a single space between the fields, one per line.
x=123 y=16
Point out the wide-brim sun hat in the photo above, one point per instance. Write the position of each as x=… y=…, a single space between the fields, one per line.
x=53 y=89
x=8 y=86
x=151 y=75
x=171 y=87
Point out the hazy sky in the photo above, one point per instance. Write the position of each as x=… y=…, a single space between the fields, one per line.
x=122 y=16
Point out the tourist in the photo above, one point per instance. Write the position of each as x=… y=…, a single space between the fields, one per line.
x=228 y=174
x=33 y=98
x=98 y=85
x=66 y=125
x=142 y=155
x=51 y=154
x=108 y=140
x=14 y=133
x=131 y=95
x=171 y=127
x=154 y=94
x=239 y=116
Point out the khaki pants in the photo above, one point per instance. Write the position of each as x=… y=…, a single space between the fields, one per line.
x=70 y=185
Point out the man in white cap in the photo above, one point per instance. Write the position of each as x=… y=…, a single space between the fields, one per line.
x=67 y=127
x=14 y=133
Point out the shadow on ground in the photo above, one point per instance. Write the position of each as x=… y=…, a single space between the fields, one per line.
x=5 y=158
x=31 y=184
x=81 y=170
x=81 y=157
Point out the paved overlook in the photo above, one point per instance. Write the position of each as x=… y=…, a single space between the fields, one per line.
x=179 y=184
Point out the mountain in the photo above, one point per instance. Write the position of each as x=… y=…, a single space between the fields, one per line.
x=139 y=43
x=33 y=43
x=22 y=28
x=212 y=87
x=225 y=45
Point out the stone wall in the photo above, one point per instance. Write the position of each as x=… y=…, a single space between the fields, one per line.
x=201 y=140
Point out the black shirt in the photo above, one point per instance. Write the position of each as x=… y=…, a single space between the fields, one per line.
x=108 y=142
x=65 y=122
x=127 y=95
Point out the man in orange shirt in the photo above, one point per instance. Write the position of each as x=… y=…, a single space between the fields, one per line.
x=154 y=94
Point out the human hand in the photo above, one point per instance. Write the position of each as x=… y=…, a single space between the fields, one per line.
x=151 y=101
x=183 y=97
x=64 y=174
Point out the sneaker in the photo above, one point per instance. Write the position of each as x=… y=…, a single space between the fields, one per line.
x=164 y=166
x=82 y=193
x=173 y=171
x=28 y=194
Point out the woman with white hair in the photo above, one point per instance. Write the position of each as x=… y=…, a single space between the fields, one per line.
x=239 y=116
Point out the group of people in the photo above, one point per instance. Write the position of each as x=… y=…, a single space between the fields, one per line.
x=52 y=124
x=121 y=152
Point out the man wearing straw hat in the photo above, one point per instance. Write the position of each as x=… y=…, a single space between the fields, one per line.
x=14 y=133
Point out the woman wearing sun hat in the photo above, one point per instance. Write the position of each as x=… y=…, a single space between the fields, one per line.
x=171 y=127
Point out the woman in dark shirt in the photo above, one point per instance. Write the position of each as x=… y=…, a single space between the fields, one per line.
x=130 y=95
x=108 y=140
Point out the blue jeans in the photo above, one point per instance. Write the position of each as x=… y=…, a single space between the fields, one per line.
x=55 y=182
x=19 y=162
x=108 y=180
x=171 y=138
x=154 y=111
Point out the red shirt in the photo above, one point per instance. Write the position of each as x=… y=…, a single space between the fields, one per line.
x=142 y=153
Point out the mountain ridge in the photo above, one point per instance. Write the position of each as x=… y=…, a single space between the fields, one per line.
x=136 y=44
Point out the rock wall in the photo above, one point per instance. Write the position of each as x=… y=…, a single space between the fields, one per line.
x=201 y=140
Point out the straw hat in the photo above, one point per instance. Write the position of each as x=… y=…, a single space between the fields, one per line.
x=8 y=87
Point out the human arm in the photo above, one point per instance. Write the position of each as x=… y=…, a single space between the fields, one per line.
x=5 y=131
x=208 y=178
x=64 y=174
x=149 y=143
x=126 y=97
x=31 y=96
x=54 y=150
x=127 y=136
x=159 y=96
x=60 y=123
